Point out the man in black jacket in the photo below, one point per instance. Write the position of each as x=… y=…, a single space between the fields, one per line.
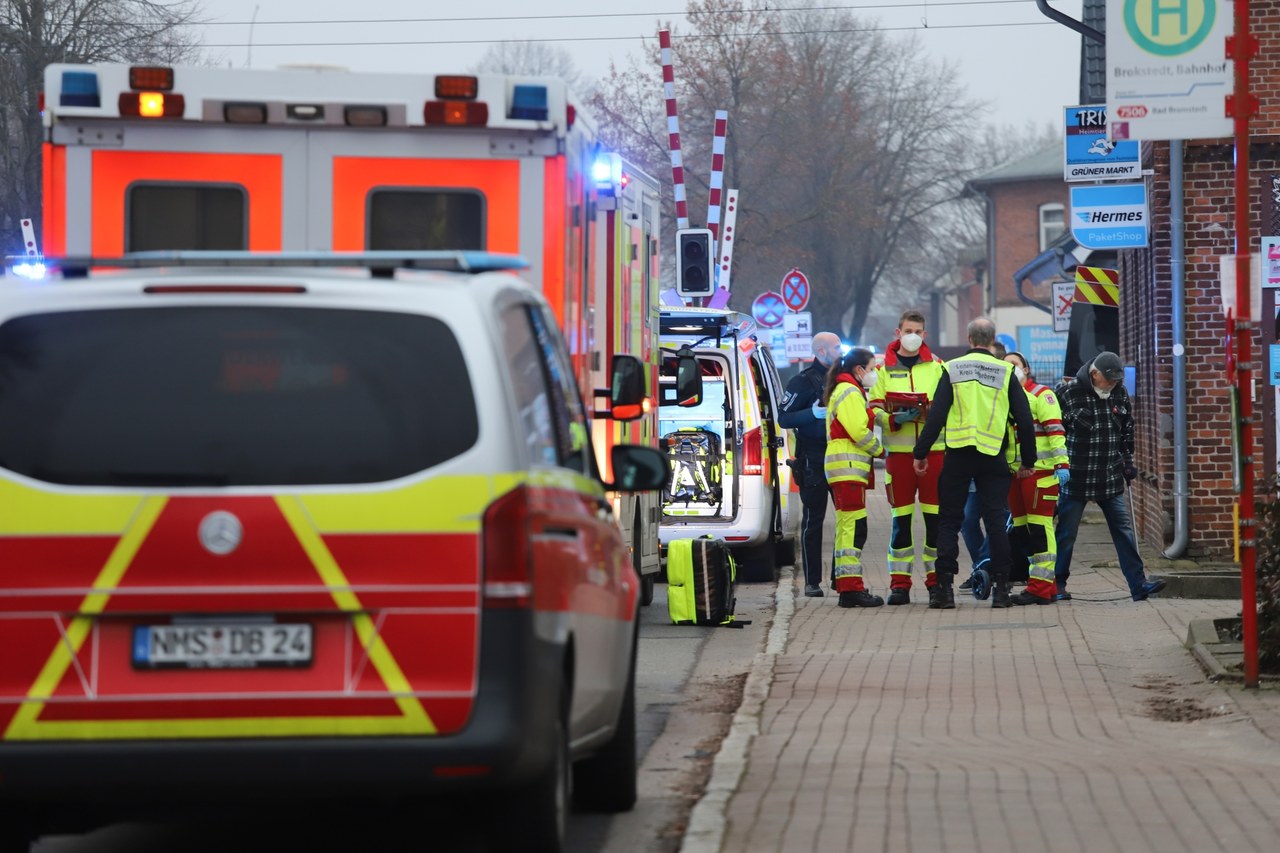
x=976 y=398
x=802 y=411
x=1099 y=423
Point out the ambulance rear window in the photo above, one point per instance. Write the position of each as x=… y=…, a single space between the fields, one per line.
x=425 y=219
x=231 y=396
x=187 y=216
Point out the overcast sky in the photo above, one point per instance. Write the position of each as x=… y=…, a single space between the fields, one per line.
x=1008 y=54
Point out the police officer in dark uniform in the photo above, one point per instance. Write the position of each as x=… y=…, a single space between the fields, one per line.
x=802 y=411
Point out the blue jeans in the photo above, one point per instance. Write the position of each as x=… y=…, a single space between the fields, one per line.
x=971 y=531
x=1116 y=512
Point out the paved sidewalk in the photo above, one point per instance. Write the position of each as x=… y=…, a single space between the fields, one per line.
x=1079 y=726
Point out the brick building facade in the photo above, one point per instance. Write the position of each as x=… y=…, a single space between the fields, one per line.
x=1027 y=203
x=1146 y=313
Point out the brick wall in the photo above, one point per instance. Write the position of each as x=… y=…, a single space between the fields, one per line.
x=1017 y=223
x=1147 y=316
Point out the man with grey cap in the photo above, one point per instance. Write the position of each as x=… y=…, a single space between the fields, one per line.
x=1099 y=423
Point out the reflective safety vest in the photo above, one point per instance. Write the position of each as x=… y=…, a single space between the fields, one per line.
x=921 y=378
x=1051 y=436
x=979 y=415
x=851 y=441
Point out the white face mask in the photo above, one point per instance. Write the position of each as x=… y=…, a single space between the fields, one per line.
x=1021 y=374
x=869 y=379
x=911 y=342
x=1104 y=393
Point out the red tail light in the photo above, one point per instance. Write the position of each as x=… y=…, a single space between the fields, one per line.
x=507 y=561
x=753 y=453
x=472 y=113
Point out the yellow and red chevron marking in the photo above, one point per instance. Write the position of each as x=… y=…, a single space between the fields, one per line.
x=390 y=580
x=1097 y=286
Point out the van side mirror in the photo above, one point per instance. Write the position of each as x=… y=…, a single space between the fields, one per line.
x=637 y=469
x=627 y=389
x=688 y=378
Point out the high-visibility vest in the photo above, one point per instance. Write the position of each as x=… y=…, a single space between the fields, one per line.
x=1051 y=436
x=921 y=377
x=979 y=414
x=851 y=442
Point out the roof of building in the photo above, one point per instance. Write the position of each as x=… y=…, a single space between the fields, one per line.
x=1041 y=164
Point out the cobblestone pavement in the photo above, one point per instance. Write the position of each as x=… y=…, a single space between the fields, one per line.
x=1079 y=726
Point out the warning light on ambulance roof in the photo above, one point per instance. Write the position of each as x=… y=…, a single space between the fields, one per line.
x=365 y=116
x=472 y=113
x=79 y=89
x=151 y=78
x=151 y=105
x=529 y=102
x=465 y=88
x=606 y=171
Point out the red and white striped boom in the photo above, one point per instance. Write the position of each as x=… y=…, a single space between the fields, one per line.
x=717 y=173
x=673 y=130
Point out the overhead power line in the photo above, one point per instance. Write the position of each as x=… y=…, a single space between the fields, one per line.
x=691 y=37
x=925 y=5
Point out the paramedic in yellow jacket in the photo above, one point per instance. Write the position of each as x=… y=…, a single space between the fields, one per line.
x=909 y=368
x=1032 y=500
x=851 y=445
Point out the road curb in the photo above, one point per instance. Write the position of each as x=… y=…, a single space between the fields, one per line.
x=705 y=830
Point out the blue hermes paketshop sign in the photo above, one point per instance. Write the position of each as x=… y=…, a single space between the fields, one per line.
x=1090 y=156
x=1110 y=216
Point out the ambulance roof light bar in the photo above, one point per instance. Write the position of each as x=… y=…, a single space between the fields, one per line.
x=382 y=262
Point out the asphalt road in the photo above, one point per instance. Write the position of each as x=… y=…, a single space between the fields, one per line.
x=688 y=685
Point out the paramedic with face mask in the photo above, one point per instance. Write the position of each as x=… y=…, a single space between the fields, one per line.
x=1099 y=424
x=910 y=372
x=802 y=411
x=851 y=445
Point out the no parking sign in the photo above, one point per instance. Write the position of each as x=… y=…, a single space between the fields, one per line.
x=768 y=309
x=795 y=290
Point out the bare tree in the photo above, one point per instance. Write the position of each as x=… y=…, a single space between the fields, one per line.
x=847 y=144
x=35 y=33
x=535 y=59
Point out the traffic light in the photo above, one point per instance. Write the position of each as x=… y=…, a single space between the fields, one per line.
x=695 y=264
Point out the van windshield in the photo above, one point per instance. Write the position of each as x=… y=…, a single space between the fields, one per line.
x=231 y=396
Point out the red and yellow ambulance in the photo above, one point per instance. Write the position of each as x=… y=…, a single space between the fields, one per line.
x=323 y=159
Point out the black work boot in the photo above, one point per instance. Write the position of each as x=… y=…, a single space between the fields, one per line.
x=1000 y=594
x=942 y=596
x=899 y=596
x=859 y=598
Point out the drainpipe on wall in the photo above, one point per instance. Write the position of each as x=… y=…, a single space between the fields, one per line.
x=1178 y=272
x=990 y=217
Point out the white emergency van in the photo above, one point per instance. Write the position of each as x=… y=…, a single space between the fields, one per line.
x=726 y=451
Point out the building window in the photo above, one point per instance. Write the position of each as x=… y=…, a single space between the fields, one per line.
x=1052 y=224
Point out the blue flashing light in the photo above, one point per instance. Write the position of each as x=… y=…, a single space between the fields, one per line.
x=79 y=89
x=33 y=270
x=529 y=102
x=606 y=171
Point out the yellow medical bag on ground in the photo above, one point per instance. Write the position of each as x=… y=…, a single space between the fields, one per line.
x=700 y=583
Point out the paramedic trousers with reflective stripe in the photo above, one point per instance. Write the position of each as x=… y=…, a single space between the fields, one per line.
x=991 y=476
x=814 y=496
x=851 y=533
x=903 y=486
x=1031 y=503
